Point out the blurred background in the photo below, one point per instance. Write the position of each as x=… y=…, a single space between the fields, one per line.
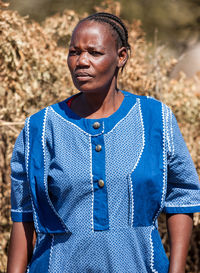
x=165 y=63
x=175 y=23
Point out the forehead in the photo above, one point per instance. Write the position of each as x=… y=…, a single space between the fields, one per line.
x=94 y=33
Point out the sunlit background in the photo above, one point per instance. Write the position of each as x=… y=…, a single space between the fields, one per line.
x=175 y=23
x=34 y=74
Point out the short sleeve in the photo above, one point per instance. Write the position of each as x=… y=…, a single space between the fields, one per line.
x=183 y=187
x=21 y=207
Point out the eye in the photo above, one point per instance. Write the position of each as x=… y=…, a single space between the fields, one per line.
x=73 y=52
x=95 y=53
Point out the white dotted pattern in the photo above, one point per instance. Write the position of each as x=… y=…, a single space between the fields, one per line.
x=69 y=177
x=68 y=182
x=183 y=183
x=122 y=151
x=124 y=250
x=47 y=168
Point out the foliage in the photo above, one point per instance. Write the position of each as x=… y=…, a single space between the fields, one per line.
x=33 y=74
x=177 y=22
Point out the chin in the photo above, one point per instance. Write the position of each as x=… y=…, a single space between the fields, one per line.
x=90 y=86
x=85 y=87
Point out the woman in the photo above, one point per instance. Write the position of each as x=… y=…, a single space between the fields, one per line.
x=94 y=172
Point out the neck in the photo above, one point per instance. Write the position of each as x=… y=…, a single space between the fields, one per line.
x=99 y=104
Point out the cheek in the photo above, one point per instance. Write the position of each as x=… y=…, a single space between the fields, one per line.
x=70 y=63
x=107 y=67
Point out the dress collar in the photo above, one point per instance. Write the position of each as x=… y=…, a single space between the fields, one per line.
x=106 y=124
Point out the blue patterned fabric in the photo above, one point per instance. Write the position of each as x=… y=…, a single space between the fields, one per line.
x=82 y=226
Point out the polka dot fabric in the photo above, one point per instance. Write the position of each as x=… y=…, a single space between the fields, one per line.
x=20 y=194
x=182 y=182
x=122 y=250
x=70 y=160
x=122 y=151
x=69 y=180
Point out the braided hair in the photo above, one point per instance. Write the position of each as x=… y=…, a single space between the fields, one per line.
x=119 y=29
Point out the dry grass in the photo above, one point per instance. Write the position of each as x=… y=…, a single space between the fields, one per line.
x=33 y=74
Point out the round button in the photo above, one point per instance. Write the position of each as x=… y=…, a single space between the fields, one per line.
x=100 y=183
x=98 y=148
x=96 y=125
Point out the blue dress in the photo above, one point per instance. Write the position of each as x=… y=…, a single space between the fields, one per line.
x=95 y=188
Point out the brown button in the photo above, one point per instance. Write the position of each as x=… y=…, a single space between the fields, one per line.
x=96 y=125
x=100 y=183
x=98 y=148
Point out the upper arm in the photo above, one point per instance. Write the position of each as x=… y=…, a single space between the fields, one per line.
x=21 y=206
x=183 y=187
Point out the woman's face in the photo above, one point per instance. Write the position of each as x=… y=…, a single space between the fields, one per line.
x=93 y=56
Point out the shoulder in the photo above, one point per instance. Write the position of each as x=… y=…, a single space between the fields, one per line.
x=36 y=121
x=43 y=113
x=146 y=99
x=149 y=103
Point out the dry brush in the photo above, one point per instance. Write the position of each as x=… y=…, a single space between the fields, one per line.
x=34 y=74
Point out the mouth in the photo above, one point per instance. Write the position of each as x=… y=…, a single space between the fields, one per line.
x=83 y=76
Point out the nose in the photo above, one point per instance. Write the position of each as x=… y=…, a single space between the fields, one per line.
x=83 y=59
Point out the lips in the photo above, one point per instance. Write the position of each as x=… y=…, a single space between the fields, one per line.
x=83 y=76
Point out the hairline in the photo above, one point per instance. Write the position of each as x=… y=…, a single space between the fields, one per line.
x=114 y=33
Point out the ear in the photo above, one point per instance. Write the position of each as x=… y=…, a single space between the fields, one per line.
x=122 y=57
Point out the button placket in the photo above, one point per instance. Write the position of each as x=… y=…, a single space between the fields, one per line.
x=100 y=207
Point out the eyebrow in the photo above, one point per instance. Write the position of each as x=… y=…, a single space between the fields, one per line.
x=90 y=47
x=96 y=47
